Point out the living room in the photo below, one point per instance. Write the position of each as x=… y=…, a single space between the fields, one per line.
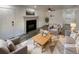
x=23 y=23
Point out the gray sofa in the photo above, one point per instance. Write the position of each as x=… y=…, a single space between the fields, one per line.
x=21 y=47
x=55 y=29
x=20 y=50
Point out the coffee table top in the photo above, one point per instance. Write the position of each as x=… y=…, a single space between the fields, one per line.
x=41 y=39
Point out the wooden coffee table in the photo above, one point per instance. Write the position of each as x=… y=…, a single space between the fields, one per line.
x=41 y=40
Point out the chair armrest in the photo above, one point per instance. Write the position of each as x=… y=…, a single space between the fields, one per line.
x=21 y=50
x=69 y=40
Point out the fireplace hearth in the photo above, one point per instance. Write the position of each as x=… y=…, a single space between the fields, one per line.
x=30 y=25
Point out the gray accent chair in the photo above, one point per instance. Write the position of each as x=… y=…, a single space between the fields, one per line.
x=70 y=47
x=66 y=30
x=65 y=46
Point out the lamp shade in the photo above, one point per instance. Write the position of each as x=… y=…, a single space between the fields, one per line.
x=73 y=25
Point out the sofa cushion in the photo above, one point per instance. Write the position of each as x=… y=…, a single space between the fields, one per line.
x=11 y=46
x=21 y=44
x=3 y=47
x=16 y=40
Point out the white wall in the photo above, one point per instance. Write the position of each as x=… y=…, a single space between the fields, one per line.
x=56 y=17
x=7 y=15
x=41 y=13
x=19 y=22
x=64 y=16
x=41 y=20
x=14 y=13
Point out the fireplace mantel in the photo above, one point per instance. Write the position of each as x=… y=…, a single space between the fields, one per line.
x=30 y=16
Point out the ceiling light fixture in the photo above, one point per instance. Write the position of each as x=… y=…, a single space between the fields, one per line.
x=50 y=9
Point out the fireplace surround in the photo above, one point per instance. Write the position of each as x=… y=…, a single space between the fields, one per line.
x=30 y=23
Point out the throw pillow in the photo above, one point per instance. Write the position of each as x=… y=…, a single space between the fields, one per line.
x=11 y=46
x=45 y=33
x=41 y=31
x=51 y=27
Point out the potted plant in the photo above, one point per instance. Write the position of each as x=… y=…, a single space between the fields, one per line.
x=47 y=20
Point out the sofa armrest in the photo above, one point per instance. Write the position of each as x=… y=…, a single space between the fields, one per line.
x=16 y=40
x=21 y=50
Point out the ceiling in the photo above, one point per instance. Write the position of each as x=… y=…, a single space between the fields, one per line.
x=52 y=6
x=45 y=7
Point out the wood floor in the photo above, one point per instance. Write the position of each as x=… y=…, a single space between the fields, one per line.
x=58 y=49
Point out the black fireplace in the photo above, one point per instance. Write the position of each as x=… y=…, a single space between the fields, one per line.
x=30 y=25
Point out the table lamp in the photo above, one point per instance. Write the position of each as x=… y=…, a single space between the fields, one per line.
x=73 y=26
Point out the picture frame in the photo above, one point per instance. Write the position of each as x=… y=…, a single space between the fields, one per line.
x=30 y=12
